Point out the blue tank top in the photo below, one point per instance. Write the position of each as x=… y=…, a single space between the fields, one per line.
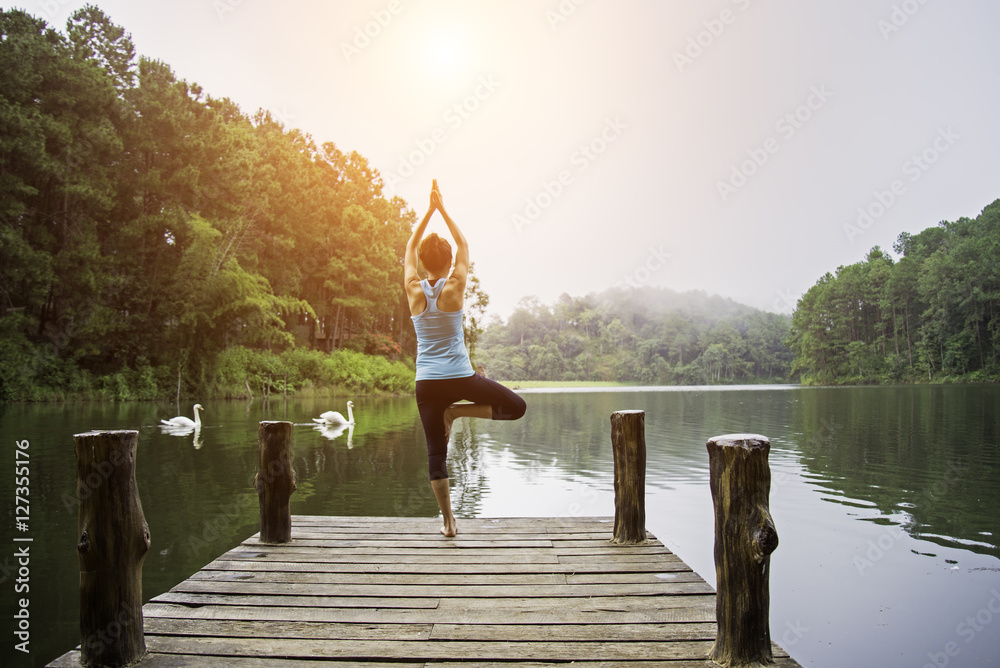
x=441 y=351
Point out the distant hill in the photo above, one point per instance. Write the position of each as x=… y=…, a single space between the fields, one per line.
x=650 y=336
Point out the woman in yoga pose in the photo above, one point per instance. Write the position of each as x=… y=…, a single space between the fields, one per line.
x=444 y=373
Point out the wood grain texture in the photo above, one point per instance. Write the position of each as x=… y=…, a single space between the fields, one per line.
x=546 y=591
x=745 y=537
x=628 y=444
x=112 y=543
x=275 y=481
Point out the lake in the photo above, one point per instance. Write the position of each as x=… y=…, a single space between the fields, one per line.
x=885 y=499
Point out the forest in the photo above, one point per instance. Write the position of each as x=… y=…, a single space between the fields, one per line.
x=933 y=315
x=648 y=336
x=155 y=239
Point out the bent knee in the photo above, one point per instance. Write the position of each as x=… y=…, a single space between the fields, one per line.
x=517 y=409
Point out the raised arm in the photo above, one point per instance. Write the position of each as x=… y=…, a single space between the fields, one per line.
x=411 y=279
x=461 y=271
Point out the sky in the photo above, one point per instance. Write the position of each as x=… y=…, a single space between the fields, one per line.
x=740 y=147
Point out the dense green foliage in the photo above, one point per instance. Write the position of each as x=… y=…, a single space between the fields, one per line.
x=152 y=235
x=646 y=336
x=933 y=315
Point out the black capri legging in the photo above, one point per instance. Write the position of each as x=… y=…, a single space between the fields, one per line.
x=434 y=397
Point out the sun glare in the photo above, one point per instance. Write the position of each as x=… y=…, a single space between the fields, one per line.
x=445 y=54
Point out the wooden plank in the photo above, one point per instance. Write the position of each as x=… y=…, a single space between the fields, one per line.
x=285 y=629
x=402 y=533
x=476 y=591
x=370 y=556
x=694 y=663
x=511 y=523
x=370 y=578
x=191 y=600
x=498 y=552
x=483 y=613
x=286 y=553
x=480 y=632
x=72 y=660
x=635 y=578
x=428 y=543
x=441 y=579
x=594 y=565
x=623 y=558
x=608 y=604
x=574 y=632
x=180 y=603
x=431 y=651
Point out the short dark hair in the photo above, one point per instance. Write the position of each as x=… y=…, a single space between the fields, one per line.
x=435 y=253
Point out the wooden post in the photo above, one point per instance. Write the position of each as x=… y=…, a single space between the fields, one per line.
x=275 y=481
x=112 y=544
x=745 y=537
x=628 y=443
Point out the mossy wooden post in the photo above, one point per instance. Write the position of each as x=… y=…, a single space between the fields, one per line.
x=745 y=537
x=628 y=444
x=112 y=543
x=275 y=481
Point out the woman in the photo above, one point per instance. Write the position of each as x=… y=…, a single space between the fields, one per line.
x=444 y=372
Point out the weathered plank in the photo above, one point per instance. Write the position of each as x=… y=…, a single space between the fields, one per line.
x=453 y=590
x=381 y=578
x=283 y=629
x=594 y=565
x=481 y=613
x=430 y=651
x=325 y=555
x=295 y=601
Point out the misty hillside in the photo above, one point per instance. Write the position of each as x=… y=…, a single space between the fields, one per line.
x=646 y=335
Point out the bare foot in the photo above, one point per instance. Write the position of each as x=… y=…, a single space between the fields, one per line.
x=450 y=528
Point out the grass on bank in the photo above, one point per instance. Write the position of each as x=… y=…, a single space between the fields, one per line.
x=545 y=384
x=302 y=372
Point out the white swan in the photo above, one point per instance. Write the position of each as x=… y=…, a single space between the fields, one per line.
x=333 y=417
x=181 y=421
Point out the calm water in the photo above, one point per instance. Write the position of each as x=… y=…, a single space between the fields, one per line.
x=885 y=499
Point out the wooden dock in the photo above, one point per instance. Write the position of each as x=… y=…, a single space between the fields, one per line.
x=380 y=590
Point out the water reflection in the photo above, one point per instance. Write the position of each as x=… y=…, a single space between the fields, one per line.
x=926 y=457
x=333 y=432
x=182 y=432
x=872 y=489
